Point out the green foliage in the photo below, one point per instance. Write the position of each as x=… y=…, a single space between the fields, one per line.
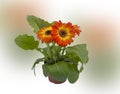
x=79 y=52
x=26 y=42
x=71 y=57
x=61 y=71
x=37 y=23
x=47 y=55
x=52 y=53
x=37 y=62
x=73 y=73
x=45 y=69
x=56 y=52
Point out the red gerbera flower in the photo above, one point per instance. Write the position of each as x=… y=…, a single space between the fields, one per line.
x=63 y=33
x=44 y=34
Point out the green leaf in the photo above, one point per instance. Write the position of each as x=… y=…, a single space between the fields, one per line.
x=58 y=71
x=70 y=57
x=80 y=50
x=38 y=49
x=37 y=23
x=73 y=73
x=56 y=52
x=47 y=55
x=45 y=69
x=37 y=62
x=26 y=42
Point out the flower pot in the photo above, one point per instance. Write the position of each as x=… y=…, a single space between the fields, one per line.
x=54 y=81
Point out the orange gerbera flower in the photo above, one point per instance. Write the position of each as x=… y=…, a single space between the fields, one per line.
x=76 y=29
x=44 y=34
x=63 y=33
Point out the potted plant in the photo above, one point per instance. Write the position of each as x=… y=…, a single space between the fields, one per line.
x=60 y=60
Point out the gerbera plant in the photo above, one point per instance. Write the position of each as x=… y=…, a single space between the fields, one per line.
x=60 y=60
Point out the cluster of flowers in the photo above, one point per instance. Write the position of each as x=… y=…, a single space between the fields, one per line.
x=60 y=33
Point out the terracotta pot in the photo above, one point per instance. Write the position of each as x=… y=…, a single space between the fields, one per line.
x=54 y=81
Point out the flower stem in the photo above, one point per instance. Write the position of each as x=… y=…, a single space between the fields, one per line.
x=63 y=50
x=49 y=50
x=53 y=43
x=39 y=49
